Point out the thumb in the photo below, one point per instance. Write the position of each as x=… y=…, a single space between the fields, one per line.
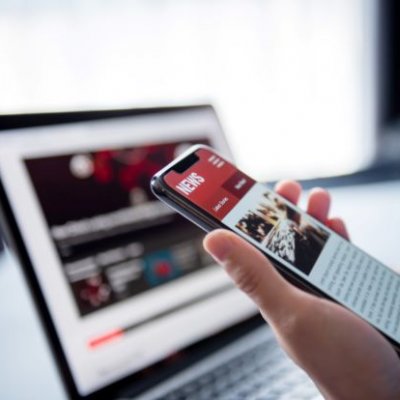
x=253 y=273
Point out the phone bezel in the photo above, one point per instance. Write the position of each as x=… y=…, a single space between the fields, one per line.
x=208 y=223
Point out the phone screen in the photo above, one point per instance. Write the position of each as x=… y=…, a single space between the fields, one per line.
x=293 y=238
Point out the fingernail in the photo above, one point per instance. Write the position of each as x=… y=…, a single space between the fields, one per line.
x=220 y=248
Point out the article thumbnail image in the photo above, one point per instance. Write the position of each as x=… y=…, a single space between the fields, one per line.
x=281 y=229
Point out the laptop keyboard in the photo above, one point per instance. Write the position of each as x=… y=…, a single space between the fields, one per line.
x=262 y=373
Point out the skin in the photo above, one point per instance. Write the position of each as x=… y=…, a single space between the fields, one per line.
x=343 y=355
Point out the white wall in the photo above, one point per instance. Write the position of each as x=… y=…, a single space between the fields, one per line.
x=288 y=77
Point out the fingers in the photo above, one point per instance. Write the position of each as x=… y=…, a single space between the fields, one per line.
x=290 y=190
x=253 y=274
x=319 y=202
x=338 y=225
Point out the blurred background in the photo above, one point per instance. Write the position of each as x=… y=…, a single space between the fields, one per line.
x=304 y=89
x=293 y=81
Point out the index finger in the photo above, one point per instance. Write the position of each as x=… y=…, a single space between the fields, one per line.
x=290 y=190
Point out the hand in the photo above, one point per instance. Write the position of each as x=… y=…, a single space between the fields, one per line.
x=344 y=355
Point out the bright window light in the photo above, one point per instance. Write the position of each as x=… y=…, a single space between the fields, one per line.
x=288 y=77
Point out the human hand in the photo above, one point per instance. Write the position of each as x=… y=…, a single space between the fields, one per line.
x=344 y=355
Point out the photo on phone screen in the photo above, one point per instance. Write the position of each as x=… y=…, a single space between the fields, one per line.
x=287 y=235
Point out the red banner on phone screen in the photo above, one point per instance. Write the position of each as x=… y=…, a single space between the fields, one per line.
x=211 y=183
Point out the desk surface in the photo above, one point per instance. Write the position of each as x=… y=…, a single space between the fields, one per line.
x=27 y=371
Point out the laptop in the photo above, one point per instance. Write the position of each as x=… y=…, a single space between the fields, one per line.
x=130 y=303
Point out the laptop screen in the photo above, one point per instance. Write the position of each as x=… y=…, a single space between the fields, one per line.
x=125 y=279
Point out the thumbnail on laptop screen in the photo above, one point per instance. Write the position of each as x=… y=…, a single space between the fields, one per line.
x=125 y=279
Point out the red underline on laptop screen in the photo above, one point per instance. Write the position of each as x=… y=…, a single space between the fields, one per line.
x=107 y=337
x=118 y=333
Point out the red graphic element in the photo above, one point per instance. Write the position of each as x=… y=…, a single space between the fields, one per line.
x=105 y=338
x=163 y=269
x=238 y=184
x=224 y=184
x=102 y=166
x=95 y=291
x=132 y=167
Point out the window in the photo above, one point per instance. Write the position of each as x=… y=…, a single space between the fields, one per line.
x=289 y=78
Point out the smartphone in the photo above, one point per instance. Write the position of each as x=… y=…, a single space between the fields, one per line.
x=211 y=192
